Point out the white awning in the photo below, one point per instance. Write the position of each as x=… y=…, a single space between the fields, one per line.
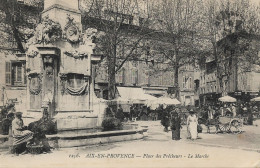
x=227 y=99
x=134 y=95
x=168 y=101
x=256 y=99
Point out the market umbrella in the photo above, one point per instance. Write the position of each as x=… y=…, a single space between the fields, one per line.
x=256 y=99
x=227 y=99
x=134 y=96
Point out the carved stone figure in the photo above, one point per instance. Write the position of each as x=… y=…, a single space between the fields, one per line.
x=71 y=31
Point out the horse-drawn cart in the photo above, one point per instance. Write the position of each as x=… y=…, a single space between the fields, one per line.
x=224 y=124
x=229 y=124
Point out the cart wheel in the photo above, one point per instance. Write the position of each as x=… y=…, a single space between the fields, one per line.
x=227 y=128
x=222 y=128
x=234 y=126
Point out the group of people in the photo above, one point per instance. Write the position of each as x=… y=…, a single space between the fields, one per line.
x=25 y=136
x=174 y=120
x=234 y=110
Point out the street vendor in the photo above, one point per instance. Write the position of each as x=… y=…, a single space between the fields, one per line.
x=21 y=136
x=234 y=111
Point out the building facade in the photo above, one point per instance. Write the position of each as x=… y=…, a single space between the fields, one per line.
x=187 y=76
x=13 y=79
x=238 y=74
x=136 y=74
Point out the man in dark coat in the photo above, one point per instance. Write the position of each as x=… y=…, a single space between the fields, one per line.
x=175 y=126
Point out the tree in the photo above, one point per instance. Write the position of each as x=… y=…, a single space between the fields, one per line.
x=224 y=24
x=125 y=26
x=18 y=20
x=178 y=19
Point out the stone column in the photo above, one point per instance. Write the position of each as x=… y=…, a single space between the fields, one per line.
x=57 y=10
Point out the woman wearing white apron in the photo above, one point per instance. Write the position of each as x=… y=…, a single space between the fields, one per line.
x=192 y=123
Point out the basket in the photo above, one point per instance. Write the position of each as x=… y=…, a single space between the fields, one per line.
x=35 y=149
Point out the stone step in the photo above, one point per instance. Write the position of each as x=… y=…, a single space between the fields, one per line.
x=79 y=132
x=77 y=139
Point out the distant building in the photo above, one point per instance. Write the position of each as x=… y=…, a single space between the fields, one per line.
x=136 y=74
x=187 y=85
x=239 y=73
x=13 y=79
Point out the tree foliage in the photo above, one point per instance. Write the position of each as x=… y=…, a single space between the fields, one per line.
x=18 y=21
x=124 y=24
x=226 y=25
x=180 y=21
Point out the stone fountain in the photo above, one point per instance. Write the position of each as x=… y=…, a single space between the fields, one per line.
x=59 y=60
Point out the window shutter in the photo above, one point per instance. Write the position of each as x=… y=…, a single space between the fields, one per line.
x=8 y=70
x=136 y=76
x=123 y=76
x=24 y=74
x=133 y=76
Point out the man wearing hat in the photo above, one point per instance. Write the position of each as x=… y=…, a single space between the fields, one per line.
x=20 y=135
x=175 y=125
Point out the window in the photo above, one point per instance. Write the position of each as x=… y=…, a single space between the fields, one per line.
x=146 y=79
x=8 y=73
x=183 y=82
x=161 y=78
x=187 y=85
x=120 y=76
x=141 y=21
x=190 y=83
x=131 y=18
x=15 y=73
x=134 y=76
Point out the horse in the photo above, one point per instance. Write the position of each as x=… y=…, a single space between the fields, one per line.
x=210 y=123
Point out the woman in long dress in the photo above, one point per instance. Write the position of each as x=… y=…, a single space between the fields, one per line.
x=192 y=123
x=20 y=135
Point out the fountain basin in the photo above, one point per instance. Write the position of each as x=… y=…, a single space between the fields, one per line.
x=77 y=139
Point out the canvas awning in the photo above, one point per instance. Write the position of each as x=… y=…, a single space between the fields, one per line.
x=256 y=99
x=134 y=95
x=165 y=101
x=168 y=101
x=227 y=99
